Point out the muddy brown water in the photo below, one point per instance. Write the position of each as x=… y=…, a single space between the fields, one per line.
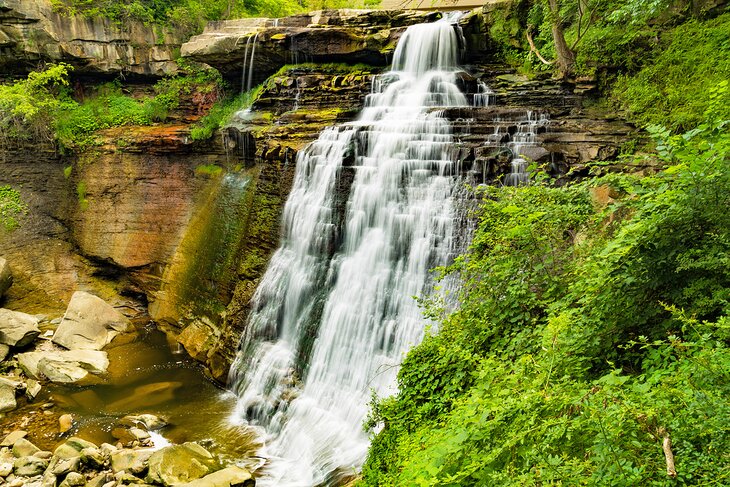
x=145 y=376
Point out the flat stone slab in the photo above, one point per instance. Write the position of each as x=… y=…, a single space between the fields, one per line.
x=63 y=365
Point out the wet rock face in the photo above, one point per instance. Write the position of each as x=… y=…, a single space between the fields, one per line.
x=31 y=32
x=6 y=277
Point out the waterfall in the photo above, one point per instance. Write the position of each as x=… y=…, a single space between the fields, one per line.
x=247 y=74
x=485 y=97
x=525 y=136
x=371 y=211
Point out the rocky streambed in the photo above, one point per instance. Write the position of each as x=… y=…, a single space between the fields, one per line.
x=100 y=397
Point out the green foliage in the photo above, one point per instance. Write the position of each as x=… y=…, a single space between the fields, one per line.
x=11 y=207
x=673 y=89
x=108 y=107
x=81 y=195
x=589 y=330
x=42 y=107
x=221 y=113
x=27 y=106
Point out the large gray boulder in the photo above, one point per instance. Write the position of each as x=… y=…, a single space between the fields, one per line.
x=90 y=323
x=69 y=366
x=179 y=464
x=6 y=278
x=17 y=329
x=72 y=448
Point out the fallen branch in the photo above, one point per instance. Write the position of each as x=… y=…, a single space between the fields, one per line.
x=534 y=49
x=668 y=455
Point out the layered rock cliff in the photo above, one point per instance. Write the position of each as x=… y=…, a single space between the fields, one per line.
x=31 y=32
x=150 y=217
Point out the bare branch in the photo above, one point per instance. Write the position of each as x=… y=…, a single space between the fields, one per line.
x=534 y=49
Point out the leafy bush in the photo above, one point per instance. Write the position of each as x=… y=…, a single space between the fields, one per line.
x=27 y=107
x=41 y=105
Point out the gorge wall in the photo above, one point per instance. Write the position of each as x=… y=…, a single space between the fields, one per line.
x=149 y=218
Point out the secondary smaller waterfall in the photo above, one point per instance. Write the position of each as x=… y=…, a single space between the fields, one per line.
x=485 y=97
x=525 y=136
x=248 y=64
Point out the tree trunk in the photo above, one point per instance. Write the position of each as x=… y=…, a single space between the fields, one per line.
x=565 y=55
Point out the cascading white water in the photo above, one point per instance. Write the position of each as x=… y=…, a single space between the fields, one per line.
x=525 y=136
x=485 y=97
x=335 y=311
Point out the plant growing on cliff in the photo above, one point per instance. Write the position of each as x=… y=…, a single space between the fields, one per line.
x=190 y=16
x=28 y=106
x=41 y=107
x=222 y=112
x=11 y=207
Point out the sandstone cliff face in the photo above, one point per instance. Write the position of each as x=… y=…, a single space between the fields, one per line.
x=32 y=32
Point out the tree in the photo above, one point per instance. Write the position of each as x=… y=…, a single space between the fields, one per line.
x=561 y=13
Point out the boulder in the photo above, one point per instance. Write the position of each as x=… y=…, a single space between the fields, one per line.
x=228 y=477
x=24 y=448
x=17 y=329
x=7 y=398
x=64 y=372
x=90 y=323
x=6 y=278
x=65 y=423
x=97 y=481
x=179 y=464
x=32 y=389
x=63 y=365
x=72 y=448
x=134 y=461
x=74 y=479
x=93 y=458
x=4 y=350
x=29 y=466
x=14 y=436
x=62 y=466
x=48 y=480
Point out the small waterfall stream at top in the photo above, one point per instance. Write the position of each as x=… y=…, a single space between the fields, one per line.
x=335 y=311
